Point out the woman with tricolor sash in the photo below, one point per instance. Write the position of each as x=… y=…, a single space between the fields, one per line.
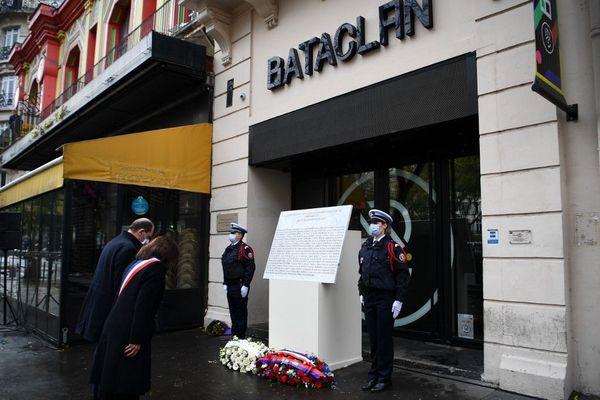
x=121 y=363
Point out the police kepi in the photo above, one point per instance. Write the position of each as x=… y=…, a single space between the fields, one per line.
x=378 y=215
x=238 y=228
x=382 y=286
x=238 y=270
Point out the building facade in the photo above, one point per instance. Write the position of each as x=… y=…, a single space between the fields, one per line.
x=13 y=30
x=423 y=108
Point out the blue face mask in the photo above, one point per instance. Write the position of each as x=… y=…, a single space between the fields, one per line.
x=232 y=237
x=373 y=229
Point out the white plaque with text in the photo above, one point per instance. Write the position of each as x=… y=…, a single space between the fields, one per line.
x=308 y=244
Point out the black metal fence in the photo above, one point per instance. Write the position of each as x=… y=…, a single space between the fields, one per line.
x=28 y=116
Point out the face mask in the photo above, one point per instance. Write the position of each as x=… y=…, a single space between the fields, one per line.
x=232 y=237
x=146 y=240
x=373 y=229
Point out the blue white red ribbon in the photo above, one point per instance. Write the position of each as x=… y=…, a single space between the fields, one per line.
x=296 y=360
x=133 y=270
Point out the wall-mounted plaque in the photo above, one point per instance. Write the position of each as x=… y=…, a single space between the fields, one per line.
x=224 y=221
x=521 y=236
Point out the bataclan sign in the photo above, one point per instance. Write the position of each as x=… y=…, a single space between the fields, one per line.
x=399 y=14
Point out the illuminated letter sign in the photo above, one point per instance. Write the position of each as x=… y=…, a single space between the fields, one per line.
x=397 y=14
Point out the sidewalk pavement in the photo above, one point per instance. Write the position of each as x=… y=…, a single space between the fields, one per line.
x=185 y=366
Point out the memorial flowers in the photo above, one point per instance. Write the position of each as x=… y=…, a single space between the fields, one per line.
x=294 y=368
x=218 y=328
x=242 y=355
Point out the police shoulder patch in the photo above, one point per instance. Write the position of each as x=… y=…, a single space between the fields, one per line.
x=249 y=252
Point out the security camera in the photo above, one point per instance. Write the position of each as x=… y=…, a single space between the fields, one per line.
x=243 y=96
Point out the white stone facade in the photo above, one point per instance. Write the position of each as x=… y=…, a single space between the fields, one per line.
x=538 y=171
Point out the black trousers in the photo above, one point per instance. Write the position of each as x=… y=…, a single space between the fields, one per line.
x=380 y=327
x=238 y=309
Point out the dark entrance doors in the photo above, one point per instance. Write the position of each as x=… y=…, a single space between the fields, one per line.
x=436 y=208
x=437 y=216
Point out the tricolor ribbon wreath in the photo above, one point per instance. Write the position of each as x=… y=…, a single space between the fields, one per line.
x=284 y=366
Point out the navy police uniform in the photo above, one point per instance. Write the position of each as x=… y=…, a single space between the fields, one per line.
x=238 y=270
x=384 y=278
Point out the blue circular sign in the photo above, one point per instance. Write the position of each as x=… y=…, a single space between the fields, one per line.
x=140 y=205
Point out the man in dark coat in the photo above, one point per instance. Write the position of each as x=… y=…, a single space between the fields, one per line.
x=382 y=286
x=121 y=367
x=115 y=257
x=238 y=270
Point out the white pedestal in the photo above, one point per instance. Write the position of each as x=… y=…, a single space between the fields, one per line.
x=320 y=318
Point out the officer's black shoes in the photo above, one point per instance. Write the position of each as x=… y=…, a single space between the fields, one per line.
x=381 y=386
x=370 y=385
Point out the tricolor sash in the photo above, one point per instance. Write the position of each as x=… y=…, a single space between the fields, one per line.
x=133 y=270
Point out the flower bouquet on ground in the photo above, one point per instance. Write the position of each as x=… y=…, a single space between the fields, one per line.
x=295 y=368
x=218 y=328
x=242 y=354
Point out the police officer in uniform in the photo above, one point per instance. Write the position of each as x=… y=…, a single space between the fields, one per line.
x=382 y=285
x=238 y=270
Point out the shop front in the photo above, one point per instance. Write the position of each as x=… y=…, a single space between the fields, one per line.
x=418 y=162
x=424 y=109
x=70 y=208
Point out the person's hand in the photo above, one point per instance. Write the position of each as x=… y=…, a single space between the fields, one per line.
x=225 y=288
x=396 y=307
x=132 y=349
x=362 y=300
x=244 y=291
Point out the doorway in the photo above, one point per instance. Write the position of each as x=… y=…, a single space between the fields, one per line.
x=433 y=194
x=436 y=207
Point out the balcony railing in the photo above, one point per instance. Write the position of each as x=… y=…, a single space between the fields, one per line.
x=25 y=5
x=28 y=117
x=5 y=52
x=161 y=21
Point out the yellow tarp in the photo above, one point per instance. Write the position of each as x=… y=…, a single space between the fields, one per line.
x=173 y=158
x=45 y=181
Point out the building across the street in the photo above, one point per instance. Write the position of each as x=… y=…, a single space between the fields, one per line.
x=13 y=29
x=475 y=124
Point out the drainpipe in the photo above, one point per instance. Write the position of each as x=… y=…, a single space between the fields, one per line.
x=595 y=39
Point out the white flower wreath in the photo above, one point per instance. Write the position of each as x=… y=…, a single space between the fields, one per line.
x=241 y=354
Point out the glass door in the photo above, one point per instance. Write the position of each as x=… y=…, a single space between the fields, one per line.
x=410 y=196
x=412 y=199
x=466 y=285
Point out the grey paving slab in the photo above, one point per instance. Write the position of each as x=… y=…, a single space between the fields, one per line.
x=185 y=366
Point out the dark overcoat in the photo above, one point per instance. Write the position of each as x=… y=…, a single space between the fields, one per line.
x=130 y=321
x=238 y=264
x=115 y=257
x=375 y=271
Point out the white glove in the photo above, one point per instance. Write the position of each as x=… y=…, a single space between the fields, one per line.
x=362 y=301
x=396 y=307
x=244 y=291
x=225 y=288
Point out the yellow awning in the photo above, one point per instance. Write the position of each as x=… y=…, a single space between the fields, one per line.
x=39 y=182
x=173 y=158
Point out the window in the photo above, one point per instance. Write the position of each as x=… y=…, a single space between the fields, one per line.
x=7 y=89
x=11 y=36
